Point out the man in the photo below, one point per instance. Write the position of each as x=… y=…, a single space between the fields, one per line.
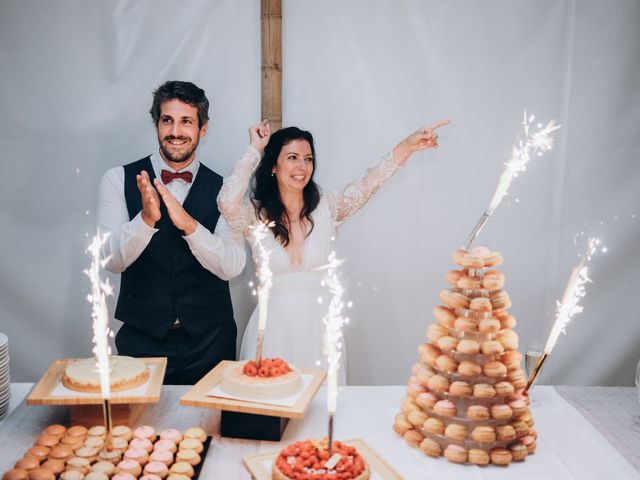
x=160 y=213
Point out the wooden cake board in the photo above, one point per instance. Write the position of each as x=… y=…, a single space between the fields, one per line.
x=255 y=463
x=87 y=409
x=250 y=420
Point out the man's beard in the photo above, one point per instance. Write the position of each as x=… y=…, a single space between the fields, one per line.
x=181 y=158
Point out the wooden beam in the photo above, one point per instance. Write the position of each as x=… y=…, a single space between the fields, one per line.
x=271 y=27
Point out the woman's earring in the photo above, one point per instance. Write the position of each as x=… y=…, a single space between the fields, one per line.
x=273 y=174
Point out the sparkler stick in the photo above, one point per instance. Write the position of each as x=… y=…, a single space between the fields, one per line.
x=334 y=321
x=259 y=233
x=534 y=142
x=568 y=307
x=101 y=330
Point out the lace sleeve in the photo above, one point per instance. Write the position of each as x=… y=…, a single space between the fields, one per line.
x=353 y=196
x=233 y=205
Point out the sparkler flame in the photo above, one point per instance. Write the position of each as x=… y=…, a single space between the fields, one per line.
x=334 y=321
x=574 y=292
x=100 y=313
x=534 y=142
x=259 y=232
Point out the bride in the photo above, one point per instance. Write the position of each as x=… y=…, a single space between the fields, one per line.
x=303 y=223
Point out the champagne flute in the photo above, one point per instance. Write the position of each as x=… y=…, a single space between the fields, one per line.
x=532 y=356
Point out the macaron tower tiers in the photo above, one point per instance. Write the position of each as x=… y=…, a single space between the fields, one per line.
x=466 y=397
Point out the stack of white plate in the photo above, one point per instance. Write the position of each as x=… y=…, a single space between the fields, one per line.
x=5 y=389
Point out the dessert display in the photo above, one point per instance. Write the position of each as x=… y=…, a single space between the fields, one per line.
x=466 y=400
x=169 y=455
x=310 y=459
x=125 y=373
x=271 y=378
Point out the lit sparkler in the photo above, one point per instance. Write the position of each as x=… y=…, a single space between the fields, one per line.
x=570 y=304
x=101 y=331
x=259 y=232
x=534 y=142
x=334 y=321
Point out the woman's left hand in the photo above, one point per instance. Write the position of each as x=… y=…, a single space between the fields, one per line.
x=421 y=139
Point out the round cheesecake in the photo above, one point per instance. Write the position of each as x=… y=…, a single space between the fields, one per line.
x=236 y=382
x=124 y=373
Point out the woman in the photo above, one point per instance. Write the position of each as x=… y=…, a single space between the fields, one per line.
x=303 y=222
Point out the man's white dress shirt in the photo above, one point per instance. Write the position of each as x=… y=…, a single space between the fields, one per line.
x=221 y=252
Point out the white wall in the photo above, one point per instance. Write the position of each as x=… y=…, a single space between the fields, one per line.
x=76 y=87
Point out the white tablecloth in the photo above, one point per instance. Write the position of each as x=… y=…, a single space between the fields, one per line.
x=569 y=447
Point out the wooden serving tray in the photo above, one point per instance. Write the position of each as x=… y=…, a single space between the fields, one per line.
x=42 y=393
x=197 y=396
x=254 y=463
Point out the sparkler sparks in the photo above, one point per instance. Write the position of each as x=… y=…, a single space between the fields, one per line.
x=334 y=321
x=533 y=142
x=259 y=232
x=101 y=331
x=574 y=292
x=569 y=306
x=99 y=313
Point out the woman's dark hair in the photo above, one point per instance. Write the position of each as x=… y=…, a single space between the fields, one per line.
x=265 y=194
x=186 y=92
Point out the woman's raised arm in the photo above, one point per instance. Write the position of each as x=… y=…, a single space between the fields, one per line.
x=231 y=200
x=353 y=196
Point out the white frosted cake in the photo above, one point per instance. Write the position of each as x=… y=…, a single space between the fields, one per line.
x=239 y=379
x=124 y=373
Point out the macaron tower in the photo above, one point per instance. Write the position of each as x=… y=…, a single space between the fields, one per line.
x=466 y=397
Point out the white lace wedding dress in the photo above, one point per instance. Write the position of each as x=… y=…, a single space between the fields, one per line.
x=295 y=325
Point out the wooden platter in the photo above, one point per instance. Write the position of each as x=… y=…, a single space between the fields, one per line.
x=42 y=393
x=197 y=396
x=86 y=409
x=379 y=468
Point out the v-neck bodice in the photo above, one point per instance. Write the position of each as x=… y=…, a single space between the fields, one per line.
x=315 y=248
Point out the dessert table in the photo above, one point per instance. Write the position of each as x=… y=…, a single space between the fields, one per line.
x=584 y=432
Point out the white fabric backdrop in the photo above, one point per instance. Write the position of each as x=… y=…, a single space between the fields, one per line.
x=76 y=87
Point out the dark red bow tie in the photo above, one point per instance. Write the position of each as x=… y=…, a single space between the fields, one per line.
x=168 y=176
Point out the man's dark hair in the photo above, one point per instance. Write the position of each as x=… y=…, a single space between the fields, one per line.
x=186 y=92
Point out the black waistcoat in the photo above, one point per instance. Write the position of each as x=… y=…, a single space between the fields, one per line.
x=167 y=282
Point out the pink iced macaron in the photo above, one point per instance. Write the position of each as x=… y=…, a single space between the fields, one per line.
x=479 y=251
x=129 y=466
x=123 y=476
x=138 y=454
x=427 y=400
x=171 y=434
x=143 y=443
x=156 y=468
x=145 y=431
x=455 y=453
x=162 y=456
x=519 y=407
x=446 y=408
x=168 y=445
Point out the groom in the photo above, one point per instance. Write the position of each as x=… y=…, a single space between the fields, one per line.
x=174 y=250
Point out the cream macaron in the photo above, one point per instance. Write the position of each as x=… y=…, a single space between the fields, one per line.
x=195 y=432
